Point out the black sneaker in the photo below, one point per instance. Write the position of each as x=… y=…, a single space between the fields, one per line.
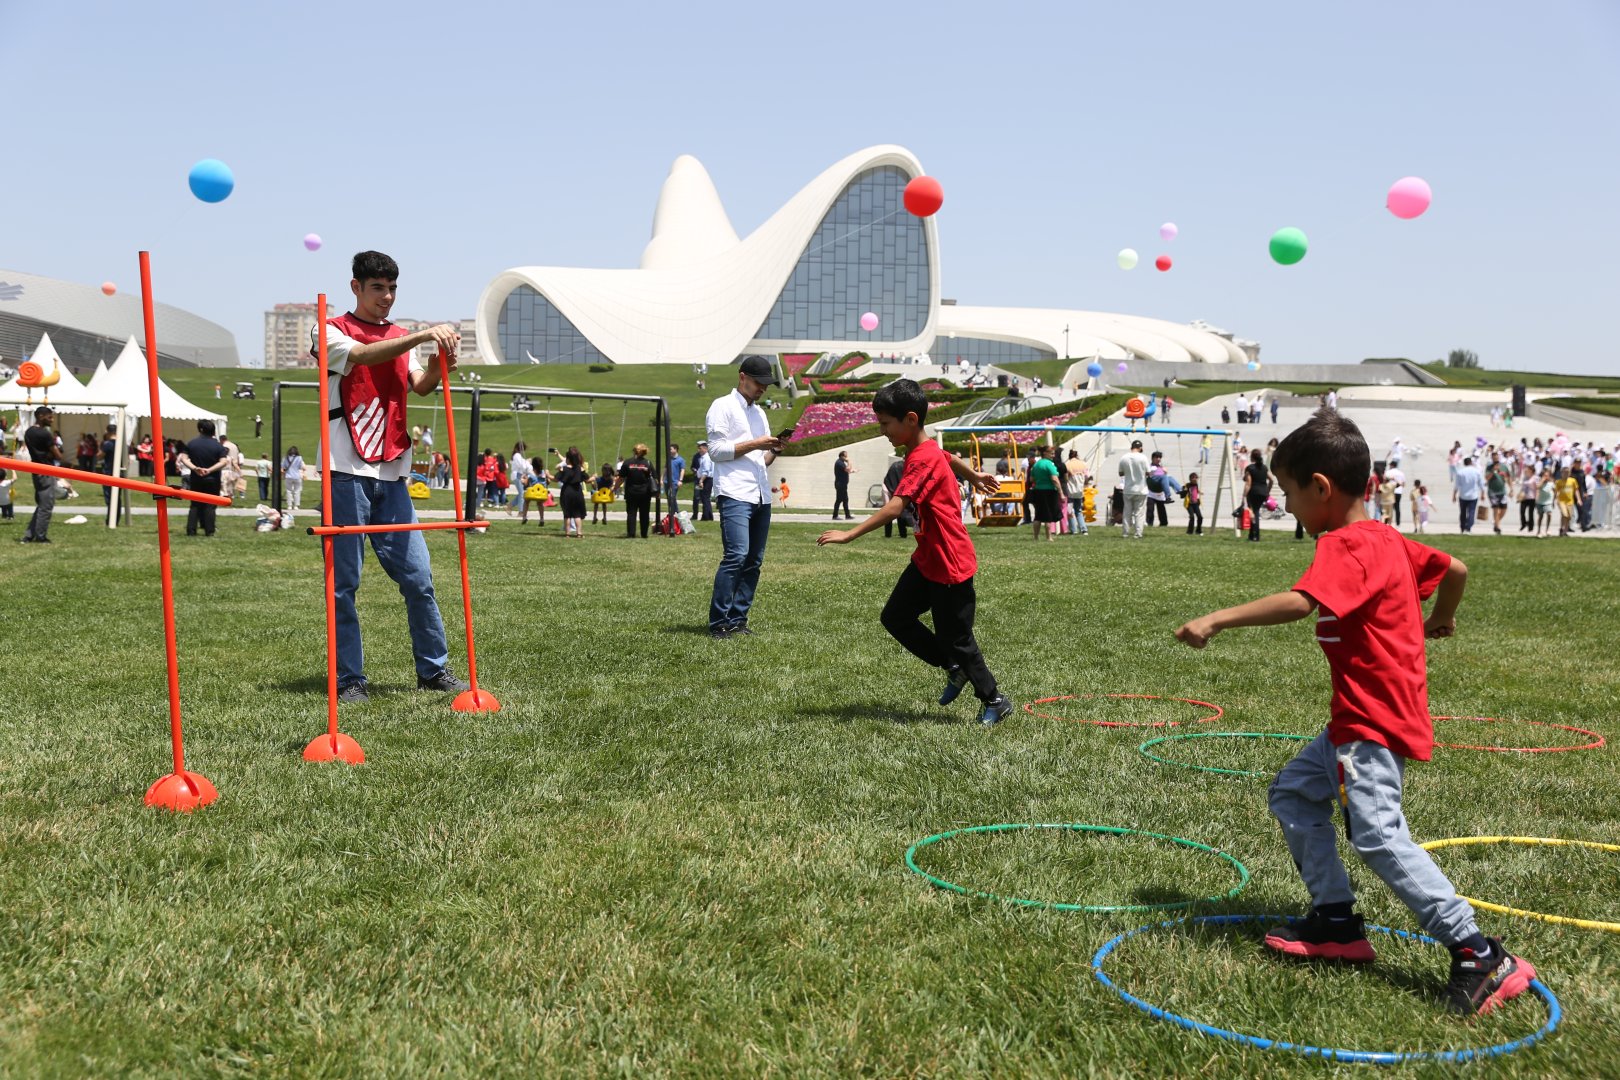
x=1478 y=986
x=444 y=683
x=354 y=692
x=1317 y=937
x=996 y=710
x=719 y=633
x=739 y=629
x=956 y=681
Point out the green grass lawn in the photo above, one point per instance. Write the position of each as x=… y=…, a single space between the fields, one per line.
x=668 y=855
x=1484 y=378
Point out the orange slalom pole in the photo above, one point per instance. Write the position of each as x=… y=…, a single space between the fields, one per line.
x=112 y=481
x=180 y=790
x=419 y=526
x=332 y=746
x=473 y=700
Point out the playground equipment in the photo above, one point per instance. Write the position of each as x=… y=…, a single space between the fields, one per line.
x=1005 y=506
x=182 y=789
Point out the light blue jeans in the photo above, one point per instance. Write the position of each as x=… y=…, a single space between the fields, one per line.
x=1302 y=799
x=744 y=528
x=361 y=500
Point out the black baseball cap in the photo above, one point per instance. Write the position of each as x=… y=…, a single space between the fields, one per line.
x=1136 y=444
x=760 y=369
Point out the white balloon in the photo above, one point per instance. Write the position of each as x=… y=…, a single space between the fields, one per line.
x=1127 y=259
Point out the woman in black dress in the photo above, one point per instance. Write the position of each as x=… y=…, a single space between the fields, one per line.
x=571 y=477
x=1256 y=487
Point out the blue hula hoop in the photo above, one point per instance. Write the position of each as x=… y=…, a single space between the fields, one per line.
x=1555 y=1012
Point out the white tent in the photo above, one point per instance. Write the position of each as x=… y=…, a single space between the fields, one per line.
x=67 y=396
x=126 y=381
x=99 y=374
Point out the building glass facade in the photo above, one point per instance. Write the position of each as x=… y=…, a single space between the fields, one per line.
x=951 y=350
x=868 y=254
x=531 y=327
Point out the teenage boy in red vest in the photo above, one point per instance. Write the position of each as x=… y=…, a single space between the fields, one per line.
x=940 y=576
x=372 y=364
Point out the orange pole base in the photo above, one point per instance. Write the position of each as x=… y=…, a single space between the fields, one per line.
x=475 y=701
x=330 y=747
x=182 y=792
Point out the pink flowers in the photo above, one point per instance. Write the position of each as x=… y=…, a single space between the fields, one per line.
x=1024 y=438
x=831 y=417
x=795 y=363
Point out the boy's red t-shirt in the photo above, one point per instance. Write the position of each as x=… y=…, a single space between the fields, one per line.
x=1369 y=583
x=944 y=554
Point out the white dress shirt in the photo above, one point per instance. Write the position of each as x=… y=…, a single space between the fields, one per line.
x=732 y=420
x=345 y=458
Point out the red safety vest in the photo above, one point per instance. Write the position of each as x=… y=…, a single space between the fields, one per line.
x=373 y=398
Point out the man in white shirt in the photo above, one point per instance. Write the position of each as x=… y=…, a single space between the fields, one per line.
x=742 y=447
x=702 y=483
x=371 y=365
x=1242 y=409
x=1134 y=468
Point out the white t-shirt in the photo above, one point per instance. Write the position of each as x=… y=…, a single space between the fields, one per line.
x=1399 y=478
x=1134 y=468
x=345 y=459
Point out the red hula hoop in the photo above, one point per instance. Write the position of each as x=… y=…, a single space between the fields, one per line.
x=1596 y=743
x=1219 y=712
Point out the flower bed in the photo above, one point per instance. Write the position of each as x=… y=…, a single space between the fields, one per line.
x=830 y=418
x=835 y=387
x=794 y=364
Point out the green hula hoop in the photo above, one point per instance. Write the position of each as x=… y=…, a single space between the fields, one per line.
x=1053 y=905
x=1143 y=749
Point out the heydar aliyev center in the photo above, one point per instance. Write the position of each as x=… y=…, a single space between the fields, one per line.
x=843 y=246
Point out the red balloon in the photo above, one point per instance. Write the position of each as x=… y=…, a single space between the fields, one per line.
x=1162 y=262
x=924 y=196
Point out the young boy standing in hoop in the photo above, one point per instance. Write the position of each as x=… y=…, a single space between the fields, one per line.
x=940 y=575
x=371 y=365
x=1367 y=585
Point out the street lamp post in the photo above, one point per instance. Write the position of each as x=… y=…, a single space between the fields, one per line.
x=1065 y=341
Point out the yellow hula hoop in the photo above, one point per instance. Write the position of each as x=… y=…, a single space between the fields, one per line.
x=1547 y=841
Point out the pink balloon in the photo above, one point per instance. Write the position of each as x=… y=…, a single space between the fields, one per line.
x=869 y=322
x=1408 y=197
x=312 y=242
x=1122 y=367
x=108 y=288
x=1168 y=231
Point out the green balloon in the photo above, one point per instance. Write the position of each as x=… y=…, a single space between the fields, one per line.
x=1288 y=246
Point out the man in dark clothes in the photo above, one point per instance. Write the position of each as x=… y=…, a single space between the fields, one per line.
x=205 y=457
x=109 y=452
x=41 y=443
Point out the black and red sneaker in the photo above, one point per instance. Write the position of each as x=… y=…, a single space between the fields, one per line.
x=1478 y=985
x=1318 y=937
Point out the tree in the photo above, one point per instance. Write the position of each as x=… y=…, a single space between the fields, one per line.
x=1463 y=358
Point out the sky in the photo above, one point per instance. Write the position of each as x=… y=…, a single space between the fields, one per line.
x=471 y=137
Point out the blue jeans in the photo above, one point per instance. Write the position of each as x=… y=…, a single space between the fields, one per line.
x=744 y=527
x=1302 y=799
x=1467 y=510
x=361 y=500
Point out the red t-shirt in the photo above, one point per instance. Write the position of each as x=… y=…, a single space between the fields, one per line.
x=1369 y=583
x=944 y=554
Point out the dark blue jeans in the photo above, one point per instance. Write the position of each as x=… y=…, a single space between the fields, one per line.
x=1467 y=511
x=744 y=527
x=362 y=500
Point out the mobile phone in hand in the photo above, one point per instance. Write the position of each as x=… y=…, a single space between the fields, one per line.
x=786 y=433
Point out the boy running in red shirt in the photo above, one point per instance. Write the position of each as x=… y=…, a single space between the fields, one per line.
x=940 y=576
x=1367 y=584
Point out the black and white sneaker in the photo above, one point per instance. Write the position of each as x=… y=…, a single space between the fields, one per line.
x=444 y=683
x=1479 y=984
x=996 y=710
x=354 y=692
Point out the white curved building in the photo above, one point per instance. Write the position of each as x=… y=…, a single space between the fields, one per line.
x=88 y=328
x=842 y=246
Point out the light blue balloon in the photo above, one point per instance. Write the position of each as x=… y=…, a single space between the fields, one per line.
x=211 y=180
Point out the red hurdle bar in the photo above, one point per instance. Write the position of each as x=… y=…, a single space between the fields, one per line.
x=105 y=480
x=473 y=700
x=419 y=526
x=333 y=746
x=181 y=790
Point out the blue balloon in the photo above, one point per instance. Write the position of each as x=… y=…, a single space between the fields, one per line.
x=211 y=180
x=1094 y=369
